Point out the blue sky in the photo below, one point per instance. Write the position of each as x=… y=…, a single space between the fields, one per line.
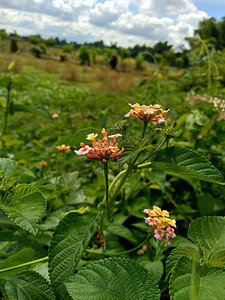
x=125 y=22
x=214 y=9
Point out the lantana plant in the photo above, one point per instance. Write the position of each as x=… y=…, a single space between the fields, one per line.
x=80 y=235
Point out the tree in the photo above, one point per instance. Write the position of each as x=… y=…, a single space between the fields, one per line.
x=84 y=55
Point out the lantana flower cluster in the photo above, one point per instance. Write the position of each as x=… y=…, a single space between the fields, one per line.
x=63 y=148
x=161 y=223
x=104 y=149
x=150 y=113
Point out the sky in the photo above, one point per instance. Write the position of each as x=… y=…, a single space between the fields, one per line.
x=124 y=22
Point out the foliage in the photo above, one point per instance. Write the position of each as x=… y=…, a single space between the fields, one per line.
x=72 y=226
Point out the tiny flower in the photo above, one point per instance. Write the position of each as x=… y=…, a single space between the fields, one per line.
x=91 y=136
x=165 y=213
x=150 y=221
x=63 y=148
x=146 y=211
x=113 y=149
x=114 y=135
x=167 y=238
x=83 y=150
x=171 y=232
x=43 y=164
x=55 y=116
x=159 y=233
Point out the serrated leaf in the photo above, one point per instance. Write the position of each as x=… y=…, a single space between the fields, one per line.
x=190 y=251
x=70 y=239
x=192 y=281
x=113 y=279
x=26 y=207
x=80 y=136
x=7 y=166
x=128 y=153
x=185 y=162
x=23 y=256
x=209 y=234
x=33 y=108
x=26 y=286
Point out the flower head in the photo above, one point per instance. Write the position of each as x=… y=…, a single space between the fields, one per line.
x=43 y=164
x=55 y=116
x=162 y=225
x=63 y=148
x=150 y=113
x=101 y=149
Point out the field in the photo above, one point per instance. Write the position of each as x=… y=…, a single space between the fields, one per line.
x=138 y=209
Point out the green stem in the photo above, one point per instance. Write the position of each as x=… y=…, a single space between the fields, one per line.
x=156 y=150
x=25 y=264
x=6 y=115
x=144 y=129
x=106 y=184
x=119 y=253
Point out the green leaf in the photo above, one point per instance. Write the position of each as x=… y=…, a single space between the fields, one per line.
x=129 y=152
x=205 y=204
x=69 y=240
x=26 y=286
x=113 y=279
x=26 y=207
x=209 y=234
x=185 y=162
x=190 y=251
x=33 y=108
x=192 y=281
x=23 y=256
x=80 y=136
x=153 y=267
x=122 y=231
x=68 y=180
x=7 y=166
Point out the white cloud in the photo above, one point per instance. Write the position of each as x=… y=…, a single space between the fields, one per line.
x=127 y=22
x=162 y=7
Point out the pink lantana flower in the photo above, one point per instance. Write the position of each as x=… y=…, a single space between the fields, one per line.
x=162 y=225
x=101 y=149
x=150 y=113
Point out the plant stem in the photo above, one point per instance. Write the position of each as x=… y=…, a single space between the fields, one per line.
x=106 y=184
x=25 y=264
x=144 y=129
x=156 y=150
x=119 y=253
x=6 y=115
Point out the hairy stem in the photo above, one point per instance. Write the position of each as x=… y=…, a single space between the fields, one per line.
x=120 y=253
x=25 y=264
x=6 y=115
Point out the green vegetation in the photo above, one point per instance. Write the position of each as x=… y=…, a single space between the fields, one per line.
x=73 y=227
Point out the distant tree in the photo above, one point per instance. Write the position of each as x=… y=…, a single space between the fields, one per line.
x=84 y=55
x=13 y=45
x=161 y=47
x=221 y=26
x=34 y=39
x=113 y=61
x=124 y=53
x=68 y=48
x=50 y=42
x=3 y=34
x=208 y=29
x=139 y=59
